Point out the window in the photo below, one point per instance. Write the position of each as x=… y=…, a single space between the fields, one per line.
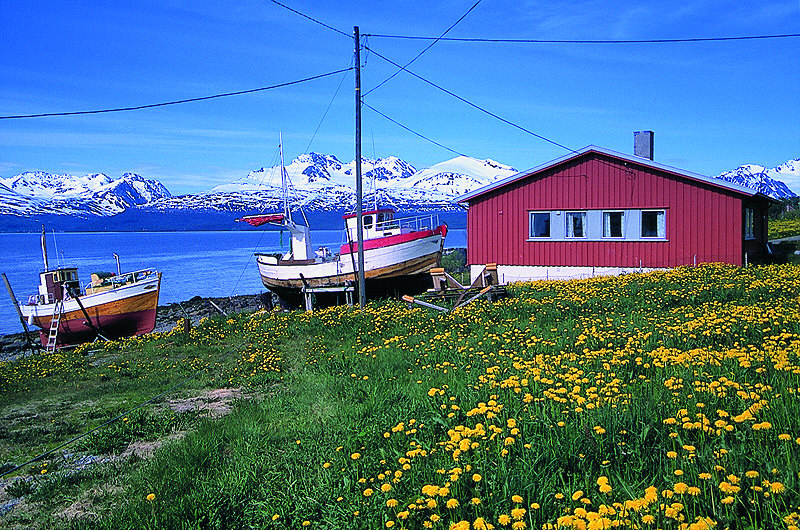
x=654 y=223
x=576 y=224
x=367 y=221
x=749 y=223
x=540 y=224
x=612 y=224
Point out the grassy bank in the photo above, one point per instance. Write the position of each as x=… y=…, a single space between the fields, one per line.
x=659 y=400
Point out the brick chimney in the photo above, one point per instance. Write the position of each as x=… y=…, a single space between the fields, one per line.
x=643 y=144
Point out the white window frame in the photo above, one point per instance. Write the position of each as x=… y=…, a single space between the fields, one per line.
x=661 y=224
x=532 y=216
x=607 y=225
x=569 y=232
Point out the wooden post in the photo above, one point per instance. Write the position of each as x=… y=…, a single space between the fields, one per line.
x=362 y=293
x=19 y=313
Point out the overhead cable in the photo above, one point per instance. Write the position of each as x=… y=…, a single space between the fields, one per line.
x=312 y=19
x=473 y=105
x=587 y=41
x=178 y=102
x=411 y=130
x=426 y=49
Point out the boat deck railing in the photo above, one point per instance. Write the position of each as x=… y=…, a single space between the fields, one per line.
x=119 y=280
x=410 y=224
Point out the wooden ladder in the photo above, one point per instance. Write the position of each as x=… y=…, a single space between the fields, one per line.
x=52 y=337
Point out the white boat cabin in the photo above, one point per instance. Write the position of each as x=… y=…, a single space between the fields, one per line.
x=377 y=224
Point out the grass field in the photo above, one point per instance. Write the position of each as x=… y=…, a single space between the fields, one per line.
x=659 y=400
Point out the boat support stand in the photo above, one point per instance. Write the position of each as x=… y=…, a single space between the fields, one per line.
x=88 y=322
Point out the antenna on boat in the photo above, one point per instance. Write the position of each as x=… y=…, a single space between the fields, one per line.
x=362 y=295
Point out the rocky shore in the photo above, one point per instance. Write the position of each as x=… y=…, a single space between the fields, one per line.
x=13 y=346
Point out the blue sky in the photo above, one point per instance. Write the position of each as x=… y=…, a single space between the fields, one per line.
x=712 y=105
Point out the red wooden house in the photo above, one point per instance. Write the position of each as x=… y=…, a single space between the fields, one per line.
x=595 y=211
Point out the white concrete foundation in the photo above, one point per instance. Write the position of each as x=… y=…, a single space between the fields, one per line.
x=523 y=273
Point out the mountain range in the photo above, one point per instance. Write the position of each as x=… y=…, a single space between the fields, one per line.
x=319 y=183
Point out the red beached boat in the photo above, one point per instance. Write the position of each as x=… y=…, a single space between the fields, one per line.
x=111 y=306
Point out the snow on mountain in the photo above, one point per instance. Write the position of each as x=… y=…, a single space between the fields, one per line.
x=95 y=194
x=319 y=183
x=322 y=182
x=457 y=176
x=771 y=182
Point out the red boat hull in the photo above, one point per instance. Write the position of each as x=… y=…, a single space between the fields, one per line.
x=127 y=317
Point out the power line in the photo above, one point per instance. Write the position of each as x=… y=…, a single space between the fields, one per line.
x=312 y=19
x=426 y=49
x=473 y=105
x=411 y=130
x=586 y=41
x=178 y=102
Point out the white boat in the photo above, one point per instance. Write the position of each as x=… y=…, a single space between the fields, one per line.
x=398 y=253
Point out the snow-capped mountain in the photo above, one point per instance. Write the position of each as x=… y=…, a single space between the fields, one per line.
x=318 y=183
x=770 y=182
x=323 y=183
x=95 y=194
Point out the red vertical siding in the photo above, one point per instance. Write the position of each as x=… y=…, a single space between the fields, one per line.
x=702 y=221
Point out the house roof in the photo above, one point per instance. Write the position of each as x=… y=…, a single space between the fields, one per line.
x=613 y=154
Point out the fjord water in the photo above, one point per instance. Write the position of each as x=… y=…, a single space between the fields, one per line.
x=207 y=264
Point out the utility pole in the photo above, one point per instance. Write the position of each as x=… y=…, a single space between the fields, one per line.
x=362 y=293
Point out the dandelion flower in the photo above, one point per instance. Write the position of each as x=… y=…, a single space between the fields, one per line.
x=151 y=497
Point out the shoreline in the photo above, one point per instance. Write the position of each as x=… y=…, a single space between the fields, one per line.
x=12 y=346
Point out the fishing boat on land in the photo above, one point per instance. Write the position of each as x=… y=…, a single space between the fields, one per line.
x=111 y=306
x=397 y=254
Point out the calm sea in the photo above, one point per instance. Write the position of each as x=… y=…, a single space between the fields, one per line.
x=192 y=264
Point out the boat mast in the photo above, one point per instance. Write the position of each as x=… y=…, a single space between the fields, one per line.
x=284 y=184
x=362 y=295
x=44 y=251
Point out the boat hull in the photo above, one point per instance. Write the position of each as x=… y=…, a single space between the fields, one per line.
x=392 y=269
x=123 y=312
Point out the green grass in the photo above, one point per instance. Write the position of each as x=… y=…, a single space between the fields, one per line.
x=670 y=396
